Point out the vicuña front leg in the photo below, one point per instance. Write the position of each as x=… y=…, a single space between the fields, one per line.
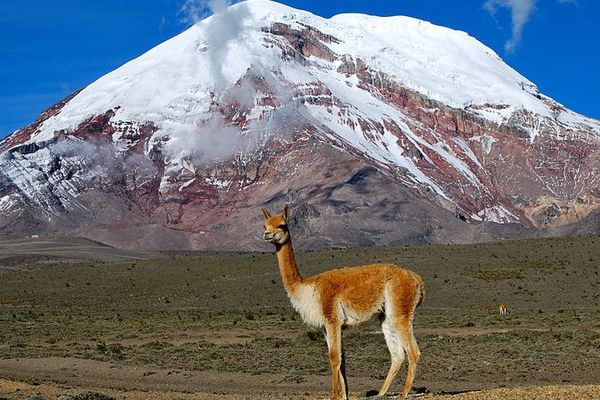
x=333 y=333
x=343 y=379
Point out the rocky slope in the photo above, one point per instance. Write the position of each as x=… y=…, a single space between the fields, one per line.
x=376 y=130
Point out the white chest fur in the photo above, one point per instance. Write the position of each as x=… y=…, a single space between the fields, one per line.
x=306 y=301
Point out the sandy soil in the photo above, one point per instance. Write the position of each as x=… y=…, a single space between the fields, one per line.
x=18 y=390
x=53 y=377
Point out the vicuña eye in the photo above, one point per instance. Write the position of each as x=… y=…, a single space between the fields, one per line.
x=282 y=226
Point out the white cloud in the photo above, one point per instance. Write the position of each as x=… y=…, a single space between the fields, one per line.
x=193 y=11
x=521 y=10
x=209 y=140
x=223 y=28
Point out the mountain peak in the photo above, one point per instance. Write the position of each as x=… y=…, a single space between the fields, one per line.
x=181 y=76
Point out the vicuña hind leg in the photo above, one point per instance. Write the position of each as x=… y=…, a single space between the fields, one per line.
x=400 y=339
x=394 y=344
x=412 y=351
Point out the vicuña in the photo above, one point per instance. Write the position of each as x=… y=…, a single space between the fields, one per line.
x=344 y=297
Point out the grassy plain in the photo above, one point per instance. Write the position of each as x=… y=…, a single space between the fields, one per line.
x=196 y=325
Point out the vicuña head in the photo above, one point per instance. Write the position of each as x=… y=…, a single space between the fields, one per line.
x=276 y=227
x=348 y=296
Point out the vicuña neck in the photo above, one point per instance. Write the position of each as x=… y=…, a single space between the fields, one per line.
x=288 y=267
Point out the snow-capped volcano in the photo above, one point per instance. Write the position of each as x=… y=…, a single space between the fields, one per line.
x=230 y=114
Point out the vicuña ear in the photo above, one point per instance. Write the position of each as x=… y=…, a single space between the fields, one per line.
x=286 y=212
x=266 y=213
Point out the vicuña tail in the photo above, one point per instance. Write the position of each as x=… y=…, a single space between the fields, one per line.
x=420 y=289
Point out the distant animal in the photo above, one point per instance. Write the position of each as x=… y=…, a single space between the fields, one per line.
x=503 y=309
x=344 y=297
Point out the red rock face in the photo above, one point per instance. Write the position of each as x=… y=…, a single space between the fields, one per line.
x=303 y=43
x=23 y=135
x=126 y=193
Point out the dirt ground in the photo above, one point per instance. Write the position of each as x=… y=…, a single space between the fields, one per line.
x=219 y=325
x=17 y=389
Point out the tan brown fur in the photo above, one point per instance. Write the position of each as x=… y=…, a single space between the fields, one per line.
x=344 y=297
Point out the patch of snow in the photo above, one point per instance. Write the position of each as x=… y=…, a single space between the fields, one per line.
x=186 y=184
x=467 y=151
x=486 y=142
x=219 y=183
x=8 y=202
x=165 y=184
x=188 y=166
x=497 y=213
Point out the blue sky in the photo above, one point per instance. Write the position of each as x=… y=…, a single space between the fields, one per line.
x=50 y=48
